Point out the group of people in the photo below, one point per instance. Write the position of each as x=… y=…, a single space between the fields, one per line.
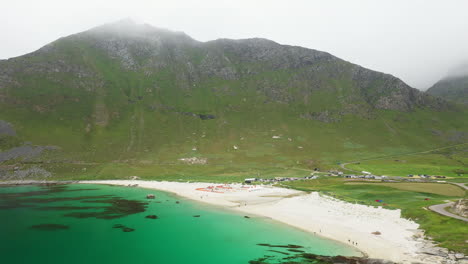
x=352 y=242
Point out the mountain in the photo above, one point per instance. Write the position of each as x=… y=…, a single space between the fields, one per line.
x=454 y=87
x=126 y=98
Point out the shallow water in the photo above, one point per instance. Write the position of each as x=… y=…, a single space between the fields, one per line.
x=108 y=224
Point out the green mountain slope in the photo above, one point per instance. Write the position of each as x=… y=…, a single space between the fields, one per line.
x=126 y=99
x=451 y=88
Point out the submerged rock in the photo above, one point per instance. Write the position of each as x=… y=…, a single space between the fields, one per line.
x=124 y=228
x=196 y=216
x=50 y=227
x=152 y=216
x=279 y=246
x=295 y=250
x=128 y=229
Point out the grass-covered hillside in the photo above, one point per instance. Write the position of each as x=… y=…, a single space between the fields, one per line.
x=452 y=88
x=125 y=99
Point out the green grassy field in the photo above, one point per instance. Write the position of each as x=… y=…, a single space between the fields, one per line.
x=451 y=162
x=435 y=188
x=448 y=232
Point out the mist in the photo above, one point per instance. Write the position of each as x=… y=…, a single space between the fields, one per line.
x=419 y=41
x=458 y=71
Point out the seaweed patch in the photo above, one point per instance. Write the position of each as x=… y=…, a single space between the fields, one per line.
x=50 y=227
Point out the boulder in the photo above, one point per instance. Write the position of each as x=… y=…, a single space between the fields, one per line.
x=152 y=216
x=460 y=207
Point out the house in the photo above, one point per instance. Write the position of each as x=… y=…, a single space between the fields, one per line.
x=250 y=180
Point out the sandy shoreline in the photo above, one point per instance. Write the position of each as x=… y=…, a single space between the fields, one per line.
x=399 y=241
x=325 y=216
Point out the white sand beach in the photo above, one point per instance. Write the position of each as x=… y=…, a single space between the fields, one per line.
x=324 y=216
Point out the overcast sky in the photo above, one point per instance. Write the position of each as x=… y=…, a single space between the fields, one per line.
x=415 y=40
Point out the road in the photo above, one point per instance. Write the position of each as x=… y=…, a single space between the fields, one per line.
x=460 y=184
x=440 y=209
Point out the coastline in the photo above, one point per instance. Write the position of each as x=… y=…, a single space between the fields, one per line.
x=324 y=216
x=399 y=240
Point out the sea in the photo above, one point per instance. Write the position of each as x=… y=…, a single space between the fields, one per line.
x=87 y=224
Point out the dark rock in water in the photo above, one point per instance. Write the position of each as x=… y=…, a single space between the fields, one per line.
x=245 y=216
x=177 y=202
x=124 y=228
x=295 y=250
x=279 y=246
x=128 y=229
x=50 y=227
x=102 y=206
x=196 y=216
x=152 y=216
x=117 y=208
x=276 y=251
x=316 y=259
x=343 y=259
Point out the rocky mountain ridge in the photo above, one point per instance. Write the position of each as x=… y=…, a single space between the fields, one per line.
x=453 y=88
x=125 y=91
x=148 y=49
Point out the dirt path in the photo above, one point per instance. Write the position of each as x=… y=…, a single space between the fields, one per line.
x=440 y=209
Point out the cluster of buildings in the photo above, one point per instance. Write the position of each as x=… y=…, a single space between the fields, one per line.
x=367 y=176
x=279 y=179
x=425 y=176
x=364 y=176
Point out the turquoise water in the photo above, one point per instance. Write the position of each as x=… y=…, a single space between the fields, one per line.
x=86 y=224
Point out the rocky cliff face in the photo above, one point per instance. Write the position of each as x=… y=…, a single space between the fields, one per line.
x=461 y=207
x=143 y=48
